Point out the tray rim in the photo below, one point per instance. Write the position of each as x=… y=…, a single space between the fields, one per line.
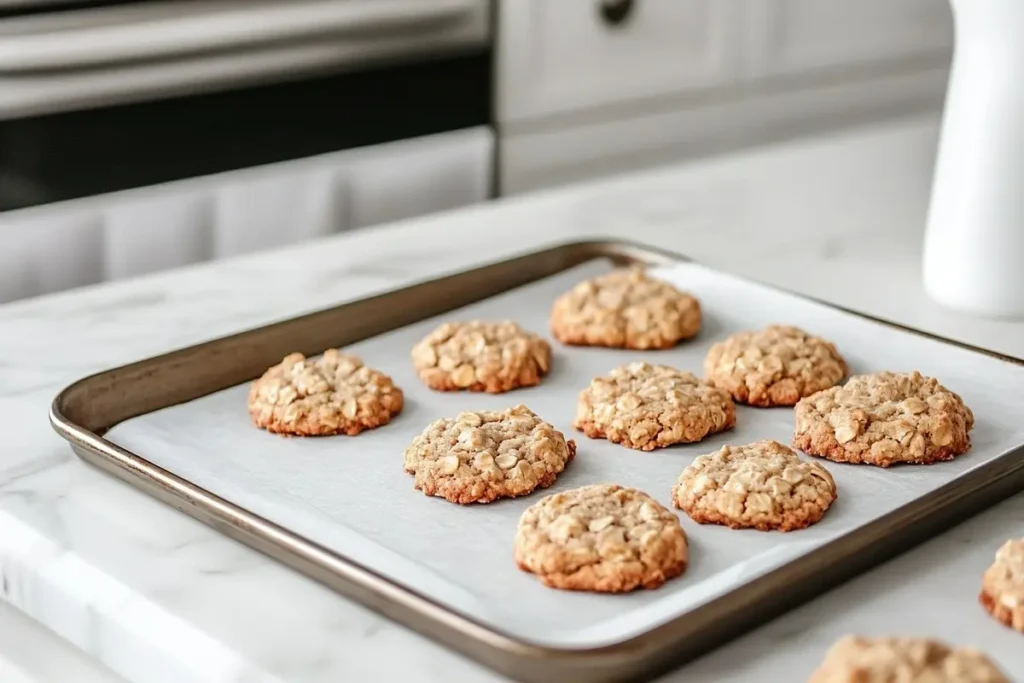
x=631 y=659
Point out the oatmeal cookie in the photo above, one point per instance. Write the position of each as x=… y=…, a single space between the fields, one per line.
x=481 y=356
x=884 y=419
x=763 y=485
x=904 y=660
x=332 y=394
x=480 y=457
x=776 y=366
x=1002 y=585
x=652 y=406
x=625 y=309
x=603 y=538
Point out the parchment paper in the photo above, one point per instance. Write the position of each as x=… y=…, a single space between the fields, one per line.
x=351 y=495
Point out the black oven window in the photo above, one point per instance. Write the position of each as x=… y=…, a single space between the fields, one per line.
x=56 y=157
x=20 y=8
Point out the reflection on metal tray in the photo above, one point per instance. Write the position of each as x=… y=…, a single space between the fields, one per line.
x=177 y=427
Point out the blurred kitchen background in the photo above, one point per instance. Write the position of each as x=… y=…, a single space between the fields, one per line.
x=230 y=126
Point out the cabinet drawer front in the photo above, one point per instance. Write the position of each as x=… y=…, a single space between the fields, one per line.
x=799 y=36
x=562 y=56
x=109 y=237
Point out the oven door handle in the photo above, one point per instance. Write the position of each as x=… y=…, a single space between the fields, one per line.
x=109 y=37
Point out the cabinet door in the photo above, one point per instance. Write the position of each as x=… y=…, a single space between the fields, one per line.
x=166 y=226
x=803 y=36
x=556 y=56
x=416 y=177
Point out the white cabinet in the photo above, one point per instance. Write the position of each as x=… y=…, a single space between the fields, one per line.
x=557 y=56
x=806 y=36
x=108 y=237
x=579 y=96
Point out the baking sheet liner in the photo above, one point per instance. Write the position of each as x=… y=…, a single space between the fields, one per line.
x=351 y=495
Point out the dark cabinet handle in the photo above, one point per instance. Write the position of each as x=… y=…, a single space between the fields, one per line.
x=615 y=12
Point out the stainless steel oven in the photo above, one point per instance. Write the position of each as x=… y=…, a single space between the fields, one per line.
x=140 y=136
x=97 y=96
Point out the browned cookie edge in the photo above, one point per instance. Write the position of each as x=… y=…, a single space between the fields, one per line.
x=309 y=426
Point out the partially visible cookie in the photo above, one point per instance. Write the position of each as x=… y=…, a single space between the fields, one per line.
x=481 y=356
x=332 y=394
x=884 y=419
x=904 y=660
x=1002 y=585
x=763 y=485
x=646 y=406
x=776 y=366
x=603 y=538
x=625 y=309
x=480 y=457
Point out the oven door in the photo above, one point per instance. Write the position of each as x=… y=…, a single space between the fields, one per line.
x=57 y=55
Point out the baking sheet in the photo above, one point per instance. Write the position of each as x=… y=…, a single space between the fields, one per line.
x=351 y=495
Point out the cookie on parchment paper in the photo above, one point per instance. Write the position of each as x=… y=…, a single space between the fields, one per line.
x=763 y=485
x=856 y=659
x=625 y=309
x=481 y=356
x=646 y=406
x=1002 y=585
x=332 y=394
x=776 y=366
x=884 y=419
x=480 y=457
x=603 y=537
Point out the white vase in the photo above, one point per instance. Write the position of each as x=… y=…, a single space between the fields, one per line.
x=974 y=243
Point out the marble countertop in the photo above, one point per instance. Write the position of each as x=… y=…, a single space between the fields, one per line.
x=29 y=653
x=158 y=597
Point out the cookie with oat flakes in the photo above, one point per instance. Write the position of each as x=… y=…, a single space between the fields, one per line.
x=602 y=538
x=481 y=356
x=763 y=485
x=907 y=660
x=1002 y=585
x=332 y=394
x=646 y=406
x=482 y=456
x=625 y=309
x=884 y=419
x=776 y=366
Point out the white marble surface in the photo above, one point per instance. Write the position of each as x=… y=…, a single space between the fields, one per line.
x=29 y=653
x=159 y=598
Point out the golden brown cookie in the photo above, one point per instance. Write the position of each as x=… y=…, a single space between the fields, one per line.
x=481 y=356
x=1002 y=585
x=625 y=309
x=904 y=660
x=884 y=419
x=480 y=457
x=763 y=485
x=332 y=394
x=603 y=538
x=776 y=366
x=646 y=406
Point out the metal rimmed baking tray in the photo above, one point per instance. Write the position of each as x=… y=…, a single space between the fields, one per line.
x=341 y=510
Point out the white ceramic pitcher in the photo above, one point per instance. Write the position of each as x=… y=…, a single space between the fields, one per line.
x=974 y=244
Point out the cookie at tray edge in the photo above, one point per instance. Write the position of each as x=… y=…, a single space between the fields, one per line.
x=477 y=355
x=882 y=419
x=775 y=366
x=858 y=658
x=625 y=309
x=763 y=485
x=332 y=394
x=479 y=457
x=644 y=407
x=601 y=538
x=1002 y=585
